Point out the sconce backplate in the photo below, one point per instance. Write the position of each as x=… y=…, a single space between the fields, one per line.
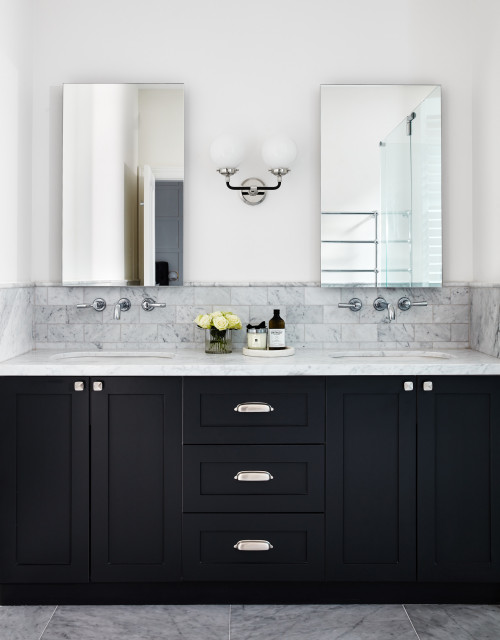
x=249 y=199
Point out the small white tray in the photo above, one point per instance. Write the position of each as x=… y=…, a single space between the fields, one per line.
x=265 y=353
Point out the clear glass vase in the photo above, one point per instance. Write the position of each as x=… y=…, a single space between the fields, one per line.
x=218 y=341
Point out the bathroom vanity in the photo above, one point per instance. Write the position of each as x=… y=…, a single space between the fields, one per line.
x=293 y=481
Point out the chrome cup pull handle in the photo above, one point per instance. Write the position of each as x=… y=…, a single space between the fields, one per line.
x=253 y=476
x=253 y=545
x=253 y=407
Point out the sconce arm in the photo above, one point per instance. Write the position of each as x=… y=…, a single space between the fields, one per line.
x=246 y=191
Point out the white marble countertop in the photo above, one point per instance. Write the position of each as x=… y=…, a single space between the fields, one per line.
x=304 y=363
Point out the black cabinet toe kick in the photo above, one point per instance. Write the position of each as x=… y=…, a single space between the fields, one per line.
x=250 y=593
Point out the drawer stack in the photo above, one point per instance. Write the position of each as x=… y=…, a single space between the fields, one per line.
x=253 y=467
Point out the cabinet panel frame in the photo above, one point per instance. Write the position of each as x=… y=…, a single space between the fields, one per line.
x=253 y=526
x=430 y=569
x=282 y=425
x=247 y=497
x=405 y=567
x=77 y=571
x=170 y=569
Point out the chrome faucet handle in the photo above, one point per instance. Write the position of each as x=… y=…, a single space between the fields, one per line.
x=123 y=304
x=405 y=303
x=99 y=304
x=148 y=304
x=380 y=304
x=354 y=304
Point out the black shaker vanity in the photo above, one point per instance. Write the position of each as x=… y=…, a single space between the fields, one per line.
x=250 y=489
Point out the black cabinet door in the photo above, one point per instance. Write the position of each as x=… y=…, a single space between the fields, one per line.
x=136 y=479
x=459 y=479
x=44 y=480
x=370 y=479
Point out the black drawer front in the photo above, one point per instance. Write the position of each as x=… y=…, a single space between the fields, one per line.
x=297 y=542
x=297 y=483
x=298 y=413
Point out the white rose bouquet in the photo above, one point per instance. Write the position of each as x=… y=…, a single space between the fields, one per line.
x=218 y=334
x=220 y=320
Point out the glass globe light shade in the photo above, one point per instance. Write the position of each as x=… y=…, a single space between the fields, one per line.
x=279 y=152
x=227 y=151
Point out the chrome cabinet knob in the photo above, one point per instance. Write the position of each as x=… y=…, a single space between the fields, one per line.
x=408 y=386
x=253 y=545
x=97 y=386
x=99 y=304
x=148 y=304
x=427 y=386
x=79 y=385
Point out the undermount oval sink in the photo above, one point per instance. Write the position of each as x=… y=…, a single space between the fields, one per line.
x=149 y=356
x=391 y=354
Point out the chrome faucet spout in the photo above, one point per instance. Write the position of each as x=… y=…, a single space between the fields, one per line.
x=391 y=311
x=123 y=304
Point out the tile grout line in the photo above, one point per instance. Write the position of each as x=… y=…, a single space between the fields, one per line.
x=49 y=621
x=230 y=612
x=411 y=622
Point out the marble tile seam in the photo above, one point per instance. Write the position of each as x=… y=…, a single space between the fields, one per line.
x=48 y=622
x=411 y=621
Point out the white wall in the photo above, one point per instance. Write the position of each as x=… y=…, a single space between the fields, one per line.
x=255 y=66
x=16 y=55
x=486 y=132
x=161 y=127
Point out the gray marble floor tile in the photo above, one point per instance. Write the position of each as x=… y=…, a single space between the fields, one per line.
x=24 y=623
x=152 y=622
x=320 y=622
x=455 y=621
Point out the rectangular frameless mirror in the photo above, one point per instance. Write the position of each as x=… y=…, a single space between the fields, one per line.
x=381 y=186
x=123 y=177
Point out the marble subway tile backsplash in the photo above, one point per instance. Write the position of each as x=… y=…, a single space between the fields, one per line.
x=485 y=320
x=313 y=318
x=16 y=321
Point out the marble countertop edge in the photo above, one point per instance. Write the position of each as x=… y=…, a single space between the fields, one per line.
x=303 y=363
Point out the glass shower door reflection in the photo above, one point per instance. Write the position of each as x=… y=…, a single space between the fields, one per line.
x=396 y=208
x=426 y=192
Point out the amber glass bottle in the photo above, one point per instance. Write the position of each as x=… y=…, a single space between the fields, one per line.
x=276 y=332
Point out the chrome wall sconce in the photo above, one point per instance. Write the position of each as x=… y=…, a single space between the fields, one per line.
x=278 y=153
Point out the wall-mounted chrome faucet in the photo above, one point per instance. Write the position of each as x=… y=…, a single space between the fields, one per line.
x=380 y=304
x=123 y=304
